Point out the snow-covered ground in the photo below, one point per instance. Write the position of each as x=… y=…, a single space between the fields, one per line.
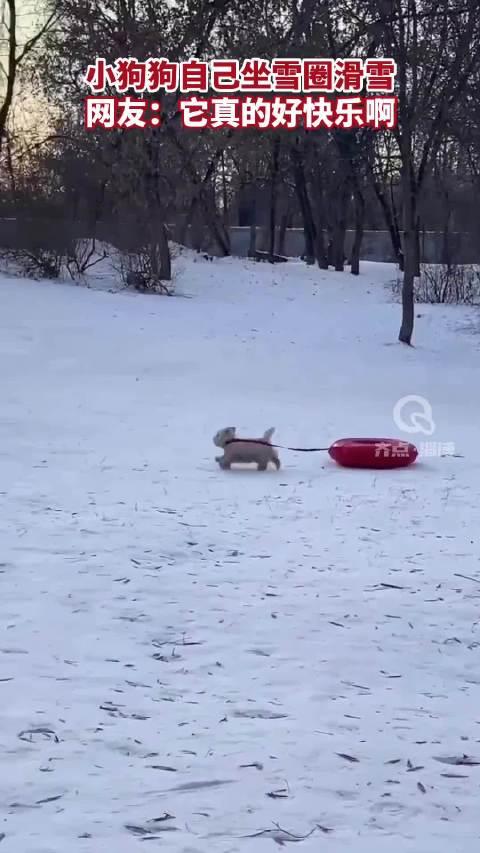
x=194 y=657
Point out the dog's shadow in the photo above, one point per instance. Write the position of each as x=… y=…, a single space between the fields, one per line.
x=249 y=469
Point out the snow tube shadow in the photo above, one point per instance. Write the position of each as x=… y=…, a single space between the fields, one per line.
x=378 y=453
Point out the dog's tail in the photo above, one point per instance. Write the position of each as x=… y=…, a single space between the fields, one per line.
x=268 y=434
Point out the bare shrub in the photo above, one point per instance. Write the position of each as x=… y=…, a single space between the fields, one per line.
x=37 y=263
x=143 y=259
x=36 y=248
x=445 y=284
x=142 y=269
x=83 y=255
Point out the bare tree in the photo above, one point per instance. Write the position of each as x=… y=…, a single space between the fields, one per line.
x=436 y=44
x=327 y=181
x=16 y=54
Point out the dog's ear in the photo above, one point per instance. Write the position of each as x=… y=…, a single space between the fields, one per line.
x=268 y=434
x=223 y=435
x=217 y=438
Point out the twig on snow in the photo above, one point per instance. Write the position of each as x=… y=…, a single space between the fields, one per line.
x=281 y=836
x=350 y=758
x=466 y=577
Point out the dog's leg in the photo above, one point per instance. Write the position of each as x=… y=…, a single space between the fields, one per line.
x=262 y=466
x=276 y=462
x=224 y=465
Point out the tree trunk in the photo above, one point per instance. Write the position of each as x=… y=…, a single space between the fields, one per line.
x=418 y=253
x=321 y=251
x=224 y=193
x=282 y=234
x=217 y=229
x=156 y=235
x=309 y=252
x=408 y=302
x=390 y=222
x=446 y=254
x=184 y=223
x=197 y=232
x=338 y=247
x=309 y=229
x=156 y=229
x=273 y=201
x=250 y=214
x=340 y=229
x=359 y=206
x=252 y=246
x=411 y=259
x=271 y=232
x=446 y=251
x=397 y=230
x=252 y=240
x=165 y=257
x=11 y=71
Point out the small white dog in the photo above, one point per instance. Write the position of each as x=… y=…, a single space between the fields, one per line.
x=245 y=450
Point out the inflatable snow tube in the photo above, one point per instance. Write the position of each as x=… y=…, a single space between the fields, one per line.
x=380 y=453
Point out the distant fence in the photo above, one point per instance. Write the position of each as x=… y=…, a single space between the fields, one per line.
x=376 y=245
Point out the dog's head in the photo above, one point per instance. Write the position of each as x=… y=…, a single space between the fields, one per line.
x=223 y=436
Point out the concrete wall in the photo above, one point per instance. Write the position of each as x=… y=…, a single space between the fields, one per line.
x=376 y=245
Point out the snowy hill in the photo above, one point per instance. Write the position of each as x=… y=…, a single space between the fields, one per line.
x=196 y=657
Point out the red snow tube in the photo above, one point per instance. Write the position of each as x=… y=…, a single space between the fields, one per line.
x=373 y=453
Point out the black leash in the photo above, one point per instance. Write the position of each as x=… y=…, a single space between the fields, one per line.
x=277 y=446
x=302 y=449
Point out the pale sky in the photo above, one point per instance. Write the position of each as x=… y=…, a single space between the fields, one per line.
x=27 y=15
